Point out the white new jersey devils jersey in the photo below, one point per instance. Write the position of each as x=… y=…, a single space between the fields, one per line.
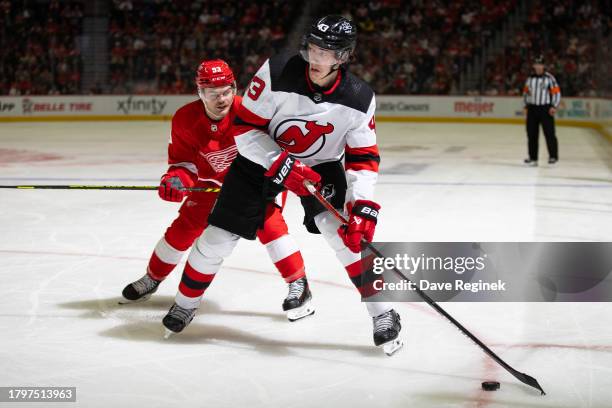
x=283 y=110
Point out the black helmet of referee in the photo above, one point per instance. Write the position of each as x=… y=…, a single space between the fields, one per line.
x=335 y=33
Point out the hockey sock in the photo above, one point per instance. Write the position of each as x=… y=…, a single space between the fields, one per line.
x=163 y=260
x=328 y=225
x=287 y=258
x=205 y=260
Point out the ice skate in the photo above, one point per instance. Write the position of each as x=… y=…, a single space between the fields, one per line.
x=297 y=304
x=387 y=328
x=140 y=290
x=177 y=319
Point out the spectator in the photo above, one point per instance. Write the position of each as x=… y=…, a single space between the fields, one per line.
x=156 y=44
x=409 y=47
x=572 y=32
x=39 y=51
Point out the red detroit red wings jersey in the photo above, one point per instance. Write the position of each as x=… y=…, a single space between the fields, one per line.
x=201 y=145
x=282 y=110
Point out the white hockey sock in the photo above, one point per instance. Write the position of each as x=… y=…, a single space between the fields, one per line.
x=167 y=253
x=328 y=225
x=378 y=308
x=187 y=302
x=206 y=257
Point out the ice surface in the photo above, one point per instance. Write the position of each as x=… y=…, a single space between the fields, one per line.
x=66 y=255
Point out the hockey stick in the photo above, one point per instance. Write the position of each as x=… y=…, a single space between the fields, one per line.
x=522 y=377
x=90 y=187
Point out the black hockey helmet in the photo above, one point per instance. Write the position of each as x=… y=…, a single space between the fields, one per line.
x=332 y=32
x=539 y=59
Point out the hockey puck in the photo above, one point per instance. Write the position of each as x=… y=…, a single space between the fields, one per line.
x=490 y=386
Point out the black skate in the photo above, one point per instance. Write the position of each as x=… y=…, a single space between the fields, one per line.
x=297 y=304
x=387 y=328
x=177 y=319
x=140 y=290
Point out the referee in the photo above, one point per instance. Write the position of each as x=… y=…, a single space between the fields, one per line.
x=541 y=95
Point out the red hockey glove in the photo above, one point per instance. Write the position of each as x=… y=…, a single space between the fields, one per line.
x=362 y=222
x=290 y=172
x=173 y=183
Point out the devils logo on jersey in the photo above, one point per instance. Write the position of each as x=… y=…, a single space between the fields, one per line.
x=302 y=138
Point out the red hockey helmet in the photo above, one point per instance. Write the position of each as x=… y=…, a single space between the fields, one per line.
x=214 y=73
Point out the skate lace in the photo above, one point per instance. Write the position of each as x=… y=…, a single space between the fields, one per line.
x=180 y=313
x=144 y=284
x=384 y=321
x=296 y=288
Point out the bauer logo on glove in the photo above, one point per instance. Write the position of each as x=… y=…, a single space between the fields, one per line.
x=285 y=169
x=367 y=211
x=361 y=225
x=289 y=172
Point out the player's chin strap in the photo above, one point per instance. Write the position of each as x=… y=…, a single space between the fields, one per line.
x=333 y=69
x=524 y=378
x=336 y=67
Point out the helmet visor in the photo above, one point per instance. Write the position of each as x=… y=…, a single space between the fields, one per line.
x=320 y=56
x=216 y=94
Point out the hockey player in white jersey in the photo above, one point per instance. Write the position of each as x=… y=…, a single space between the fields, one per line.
x=300 y=117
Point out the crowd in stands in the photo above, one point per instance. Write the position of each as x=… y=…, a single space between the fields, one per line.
x=404 y=47
x=574 y=38
x=39 y=51
x=156 y=46
x=420 y=47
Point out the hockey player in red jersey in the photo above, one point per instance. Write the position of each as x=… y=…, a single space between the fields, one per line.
x=300 y=116
x=200 y=151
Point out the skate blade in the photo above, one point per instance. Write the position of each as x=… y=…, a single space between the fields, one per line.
x=392 y=347
x=125 y=301
x=300 y=312
x=168 y=333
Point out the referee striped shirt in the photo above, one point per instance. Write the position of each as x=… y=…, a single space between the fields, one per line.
x=542 y=90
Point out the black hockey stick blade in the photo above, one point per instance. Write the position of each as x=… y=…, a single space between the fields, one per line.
x=95 y=187
x=522 y=377
x=527 y=379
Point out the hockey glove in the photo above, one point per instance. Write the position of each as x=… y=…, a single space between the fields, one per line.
x=290 y=172
x=173 y=184
x=362 y=222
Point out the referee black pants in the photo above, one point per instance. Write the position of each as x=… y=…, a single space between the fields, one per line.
x=536 y=115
